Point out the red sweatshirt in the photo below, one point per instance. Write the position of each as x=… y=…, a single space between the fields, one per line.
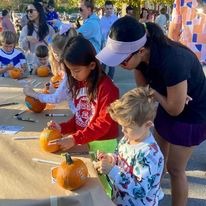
x=91 y=120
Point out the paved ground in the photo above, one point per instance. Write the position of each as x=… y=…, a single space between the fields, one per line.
x=196 y=170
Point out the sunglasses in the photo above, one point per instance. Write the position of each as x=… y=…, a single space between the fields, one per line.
x=80 y=9
x=30 y=10
x=124 y=63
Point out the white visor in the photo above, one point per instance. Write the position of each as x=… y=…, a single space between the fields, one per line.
x=116 y=52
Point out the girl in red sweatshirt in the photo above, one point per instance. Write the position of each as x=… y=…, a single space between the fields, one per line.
x=92 y=92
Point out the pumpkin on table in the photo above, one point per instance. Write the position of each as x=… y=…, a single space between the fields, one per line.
x=71 y=174
x=46 y=136
x=34 y=104
x=15 y=73
x=43 y=71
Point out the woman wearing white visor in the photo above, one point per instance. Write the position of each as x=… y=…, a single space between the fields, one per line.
x=179 y=84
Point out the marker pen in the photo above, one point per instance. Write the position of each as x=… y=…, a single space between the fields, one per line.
x=26 y=119
x=8 y=104
x=56 y=115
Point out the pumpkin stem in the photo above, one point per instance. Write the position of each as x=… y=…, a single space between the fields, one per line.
x=68 y=158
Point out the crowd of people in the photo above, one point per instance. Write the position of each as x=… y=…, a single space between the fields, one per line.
x=162 y=120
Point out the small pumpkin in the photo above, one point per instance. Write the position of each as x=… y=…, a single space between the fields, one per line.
x=46 y=136
x=43 y=71
x=71 y=174
x=55 y=80
x=15 y=73
x=34 y=104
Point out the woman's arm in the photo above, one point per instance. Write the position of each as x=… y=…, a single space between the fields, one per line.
x=23 y=42
x=176 y=98
x=139 y=78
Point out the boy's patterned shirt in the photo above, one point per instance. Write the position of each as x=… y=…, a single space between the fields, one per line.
x=15 y=57
x=136 y=176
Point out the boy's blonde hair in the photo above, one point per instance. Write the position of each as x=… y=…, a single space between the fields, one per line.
x=8 y=37
x=136 y=107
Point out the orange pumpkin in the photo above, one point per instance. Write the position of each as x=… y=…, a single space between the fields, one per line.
x=55 y=80
x=71 y=174
x=43 y=71
x=34 y=104
x=46 y=136
x=15 y=73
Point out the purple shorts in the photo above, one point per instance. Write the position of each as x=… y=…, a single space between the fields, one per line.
x=179 y=133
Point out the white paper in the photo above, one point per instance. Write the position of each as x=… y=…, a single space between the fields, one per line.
x=10 y=129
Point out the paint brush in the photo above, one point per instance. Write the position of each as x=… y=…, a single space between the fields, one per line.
x=45 y=161
x=25 y=138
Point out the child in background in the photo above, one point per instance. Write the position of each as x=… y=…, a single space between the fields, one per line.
x=62 y=92
x=92 y=92
x=42 y=57
x=136 y=169
x=11 y=57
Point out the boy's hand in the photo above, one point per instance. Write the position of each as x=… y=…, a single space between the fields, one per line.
x=102 y=155
x=103 y=166
x=53 y=125
x=65 y=143
x=9 y=67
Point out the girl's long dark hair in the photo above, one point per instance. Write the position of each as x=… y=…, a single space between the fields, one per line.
x=79 y=51
x=43 y=28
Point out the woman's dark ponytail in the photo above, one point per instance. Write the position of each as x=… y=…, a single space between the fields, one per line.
x=155 y=34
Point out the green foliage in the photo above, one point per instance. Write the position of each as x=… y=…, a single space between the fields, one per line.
x=66 y=5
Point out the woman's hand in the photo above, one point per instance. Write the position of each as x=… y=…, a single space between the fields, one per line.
x=65 y=143
x=175 y=100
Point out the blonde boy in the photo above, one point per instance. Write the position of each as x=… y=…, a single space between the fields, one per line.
x=10 y=56
x=135 y=170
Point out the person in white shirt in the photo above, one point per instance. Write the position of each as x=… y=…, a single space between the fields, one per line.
x=161 y=19
x=62 y=93
x=106 y=22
